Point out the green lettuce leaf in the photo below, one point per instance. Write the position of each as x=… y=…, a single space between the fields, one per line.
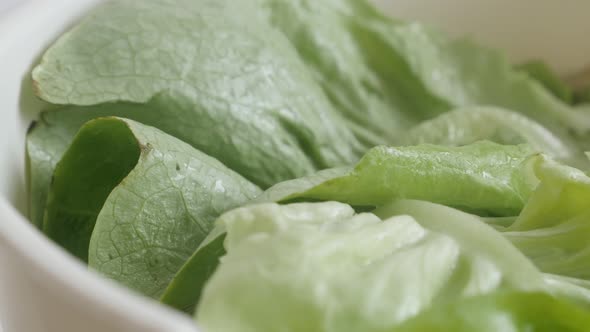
x=471 y=124
x=47 y=140
x=386 y=75
x=239 y=114
x=483 y=177
x=553 y=229
x=443 y=219
x=386 y=174
x=136 y=202
x=225 y=73
x=364 y=76
x=465 y=74
x=49 y=137
x=352 y=272
x=502 y=312
x=272 y=90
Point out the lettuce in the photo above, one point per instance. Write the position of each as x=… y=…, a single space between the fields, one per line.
x=503 y=311
x=413 y=182
x=484 y=177
x=322 y=267
x=472 y=124
x=135 y=202
x=553 y=229
x=211 y=74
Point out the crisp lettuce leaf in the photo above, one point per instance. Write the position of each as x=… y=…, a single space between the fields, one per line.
x=364 y=76
x=136 y=202
x=482 y=177
x=276 y=90
x=465 y=74
x=241 y=88
x=352 y=272
x=502 y=312
x=553 y=230
x=245 y=98
x=464 y=227
x=574 y=289
x=385 y=175
x=386 y=75
x=554 y=227
x=471 y=124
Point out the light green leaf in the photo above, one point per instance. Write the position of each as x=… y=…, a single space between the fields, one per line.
x=465 y=74
x=144 y=200
x=474 y=235
x=49 y=137
x=343 y=271
x=385 y=75
x=366 y=78
x=482 y=177
x=502 y=312
x=472 y=124
x=553 y=229
x=228 y=79
x=556 y=250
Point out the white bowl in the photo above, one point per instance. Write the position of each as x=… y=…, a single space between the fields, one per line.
x=42 y=288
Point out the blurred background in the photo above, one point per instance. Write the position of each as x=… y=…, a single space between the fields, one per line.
x=553 y=31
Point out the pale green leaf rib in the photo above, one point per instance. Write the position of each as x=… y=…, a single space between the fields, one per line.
x=386 y=75
x=466 y=74
x=55 y=130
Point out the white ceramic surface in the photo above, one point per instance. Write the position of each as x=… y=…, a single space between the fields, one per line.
x=43 y=289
